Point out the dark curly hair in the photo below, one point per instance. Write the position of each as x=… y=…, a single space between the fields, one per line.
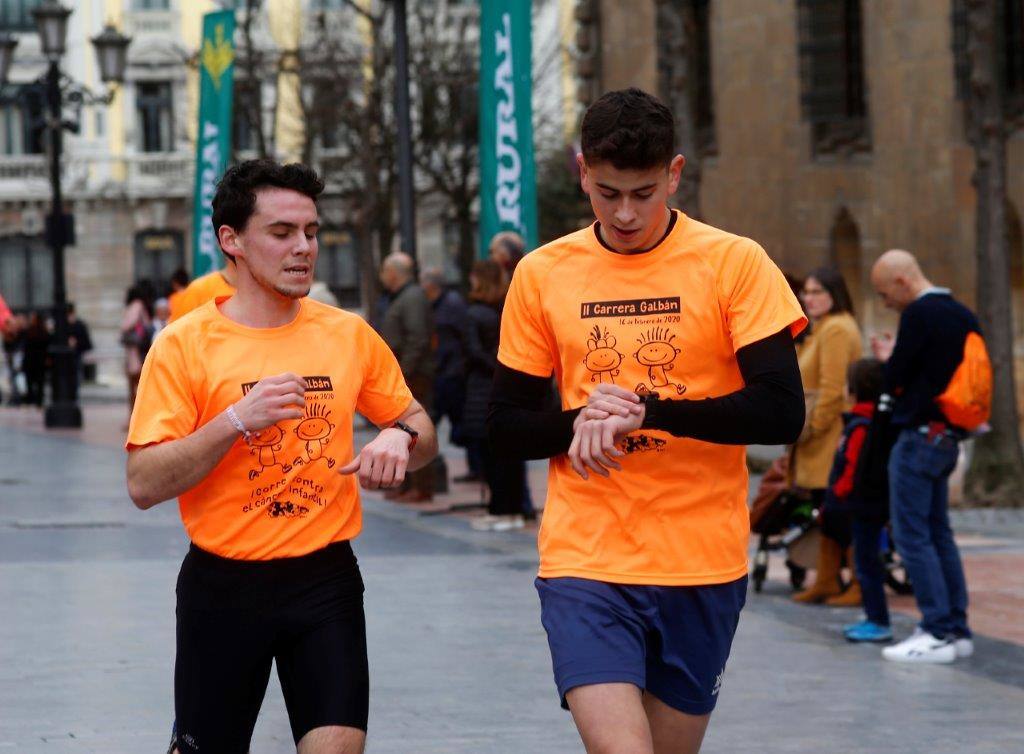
x=235 y=200
x=630 y=129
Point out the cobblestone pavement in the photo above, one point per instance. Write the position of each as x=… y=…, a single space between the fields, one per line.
x=458 y=659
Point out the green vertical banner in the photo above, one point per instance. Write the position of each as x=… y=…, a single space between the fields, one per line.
x=213 y=137
x=508 y=183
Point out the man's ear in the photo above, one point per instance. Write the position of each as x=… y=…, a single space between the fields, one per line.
x=675 y=171
x=584 y=174
x=229 y=241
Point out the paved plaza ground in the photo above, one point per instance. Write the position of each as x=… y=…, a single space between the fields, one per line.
x=459 y=661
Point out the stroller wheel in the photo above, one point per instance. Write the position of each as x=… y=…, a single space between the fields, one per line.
x=797 y=575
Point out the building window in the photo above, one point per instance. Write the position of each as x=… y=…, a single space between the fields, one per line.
x=338 y=265
x=16 y=15
x=1010 y=28
x=26 y=272
x=703 y=100
x=151 y=4
x=833 y=86
x=156 y=116
x=684 y=62
x=158 y=253
x=21 y=121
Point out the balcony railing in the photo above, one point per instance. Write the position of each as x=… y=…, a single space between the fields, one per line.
x=142 y=175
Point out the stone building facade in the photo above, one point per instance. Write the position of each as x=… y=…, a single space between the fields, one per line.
x=903 y=180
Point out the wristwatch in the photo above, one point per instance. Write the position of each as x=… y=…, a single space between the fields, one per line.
x=413 y=434
x=651 y=402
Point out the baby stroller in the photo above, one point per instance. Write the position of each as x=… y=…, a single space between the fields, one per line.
x=788 y=521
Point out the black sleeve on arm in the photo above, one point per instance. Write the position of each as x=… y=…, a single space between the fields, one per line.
x=518 y=424
x=768 y=410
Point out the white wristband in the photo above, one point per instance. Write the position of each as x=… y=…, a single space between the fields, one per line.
x=237 y=423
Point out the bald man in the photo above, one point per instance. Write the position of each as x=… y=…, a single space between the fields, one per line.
x=407 y=326
x=920 y=363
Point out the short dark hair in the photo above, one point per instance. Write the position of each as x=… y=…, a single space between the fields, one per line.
x=832 y=281
x=235 y=200
x=866 y=379
x=630 y=129
x=179 y=277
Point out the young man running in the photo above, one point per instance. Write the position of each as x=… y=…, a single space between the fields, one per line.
x=245 y=413
x=676 y=340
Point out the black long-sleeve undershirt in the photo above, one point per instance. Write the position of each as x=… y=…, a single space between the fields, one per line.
x=768 y=409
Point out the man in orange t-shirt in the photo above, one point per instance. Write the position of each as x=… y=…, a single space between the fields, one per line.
x=204 y=288
x=244 y=413
x=672 y=345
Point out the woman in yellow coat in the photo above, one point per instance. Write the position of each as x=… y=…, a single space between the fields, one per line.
x=834 y=344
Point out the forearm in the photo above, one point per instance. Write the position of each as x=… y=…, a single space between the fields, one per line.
x=760 y=414
x=517 y=432
x=166 y=470
x=426 y=444
x=768 y=410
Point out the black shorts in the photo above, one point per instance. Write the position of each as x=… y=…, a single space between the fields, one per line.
x=235 y=616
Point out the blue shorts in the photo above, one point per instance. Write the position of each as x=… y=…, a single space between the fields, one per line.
x=670 y=641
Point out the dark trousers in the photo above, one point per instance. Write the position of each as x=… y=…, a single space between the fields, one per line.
x=506 y=480
x=35 y=380
x=867 y=533
x=919 y=470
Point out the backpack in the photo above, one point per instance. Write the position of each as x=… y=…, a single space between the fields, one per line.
x=967 y=400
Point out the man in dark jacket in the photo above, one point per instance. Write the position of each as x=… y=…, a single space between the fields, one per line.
x=450 y=314
x=919 y=365
x=408 y=328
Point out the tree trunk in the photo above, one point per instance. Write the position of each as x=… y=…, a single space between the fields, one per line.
x=467 y=244
x=676 y=69
x=996 y=475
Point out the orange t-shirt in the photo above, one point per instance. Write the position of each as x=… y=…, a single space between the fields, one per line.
x=206 y=288
x=283 y=496
x=667 y=321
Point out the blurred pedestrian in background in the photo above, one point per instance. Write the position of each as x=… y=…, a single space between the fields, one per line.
x=14 y=352
x=450 y=316
x=179 y=282
x=937 y=334
x=80 y=342
x=505 y=477
x=320 y=291
x=508 y=248
x=825 y=357
x=136 y=334
x=161 y=315
x=407 y=327
x=36 y=347
x=216 y=284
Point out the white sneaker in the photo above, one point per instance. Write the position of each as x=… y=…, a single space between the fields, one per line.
x=497 y=523
x=507 y=523
x=964 y=647
x=483 y=523
x=921 y=646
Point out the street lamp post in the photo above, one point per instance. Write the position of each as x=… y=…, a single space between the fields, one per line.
x=406 y=187
x=111 y=49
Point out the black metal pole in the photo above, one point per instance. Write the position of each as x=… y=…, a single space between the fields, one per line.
x=406 y=199
x=63 y=410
